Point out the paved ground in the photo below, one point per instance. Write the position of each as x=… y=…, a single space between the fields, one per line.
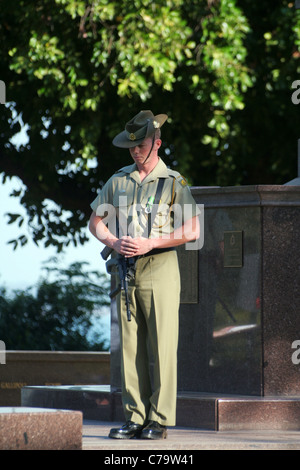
x=180 y=439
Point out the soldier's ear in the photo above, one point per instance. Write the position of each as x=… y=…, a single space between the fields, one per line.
x=158 y=143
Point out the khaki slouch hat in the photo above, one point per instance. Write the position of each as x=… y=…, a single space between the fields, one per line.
x=139 y=128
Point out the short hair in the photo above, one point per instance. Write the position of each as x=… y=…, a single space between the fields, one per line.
x=157 y=133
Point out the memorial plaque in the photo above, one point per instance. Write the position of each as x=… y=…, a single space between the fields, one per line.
x=233 y=249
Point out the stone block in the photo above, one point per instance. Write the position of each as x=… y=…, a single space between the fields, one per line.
x=23 y=428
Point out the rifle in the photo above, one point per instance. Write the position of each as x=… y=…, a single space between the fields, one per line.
x=126 y=269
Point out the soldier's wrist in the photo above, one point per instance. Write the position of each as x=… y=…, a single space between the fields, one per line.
x=112 y=243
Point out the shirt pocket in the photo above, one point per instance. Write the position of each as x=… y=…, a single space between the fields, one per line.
x=122 y=199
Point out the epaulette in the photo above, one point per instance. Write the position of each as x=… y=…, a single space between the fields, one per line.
x=125 y=169
x=181 y=180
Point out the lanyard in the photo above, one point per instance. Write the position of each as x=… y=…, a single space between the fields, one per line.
x=151 y=215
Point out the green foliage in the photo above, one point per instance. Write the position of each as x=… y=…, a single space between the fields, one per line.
x=58 y=314
x=76 y=71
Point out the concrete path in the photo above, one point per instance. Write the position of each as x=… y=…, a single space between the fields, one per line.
x=181 y=439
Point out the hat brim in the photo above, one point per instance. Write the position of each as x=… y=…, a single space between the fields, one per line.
x=123 y=141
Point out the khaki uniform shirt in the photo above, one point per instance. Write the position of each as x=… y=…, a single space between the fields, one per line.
x=130 y=199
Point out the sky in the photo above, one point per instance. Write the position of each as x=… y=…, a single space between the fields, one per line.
x=22 y=267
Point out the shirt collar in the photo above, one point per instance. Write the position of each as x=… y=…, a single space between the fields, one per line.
x=159 y=171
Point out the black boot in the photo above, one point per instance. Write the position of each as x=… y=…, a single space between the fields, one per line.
x=154 y=430
x=128 y=431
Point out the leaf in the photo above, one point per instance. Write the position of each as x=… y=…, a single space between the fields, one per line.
x=12 y=217
x=13 y=242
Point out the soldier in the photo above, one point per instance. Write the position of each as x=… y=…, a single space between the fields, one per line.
x=130 y=197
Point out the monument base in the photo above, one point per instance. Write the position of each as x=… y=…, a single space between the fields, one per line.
x=23 y=428
x=216 y=412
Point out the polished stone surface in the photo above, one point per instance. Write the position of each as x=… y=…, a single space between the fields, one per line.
x=50 y=368
x=281 y=302
x=238 y=337
x=28 y=428
x=219 y=344
x=259 y=414
x=96 y=402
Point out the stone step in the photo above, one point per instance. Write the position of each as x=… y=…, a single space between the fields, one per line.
x=200 y=410
x=33 y=428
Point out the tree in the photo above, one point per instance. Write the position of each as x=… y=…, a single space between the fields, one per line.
x=59 y=314
x=263 y=148
x=77 y=70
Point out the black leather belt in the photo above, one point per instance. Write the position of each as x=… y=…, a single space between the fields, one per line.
x=157 y=251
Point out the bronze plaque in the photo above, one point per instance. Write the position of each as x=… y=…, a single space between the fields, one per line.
x=233 y=249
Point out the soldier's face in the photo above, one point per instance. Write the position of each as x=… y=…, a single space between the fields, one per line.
x=140 y=152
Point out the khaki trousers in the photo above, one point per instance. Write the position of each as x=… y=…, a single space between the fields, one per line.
x=153 y=331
